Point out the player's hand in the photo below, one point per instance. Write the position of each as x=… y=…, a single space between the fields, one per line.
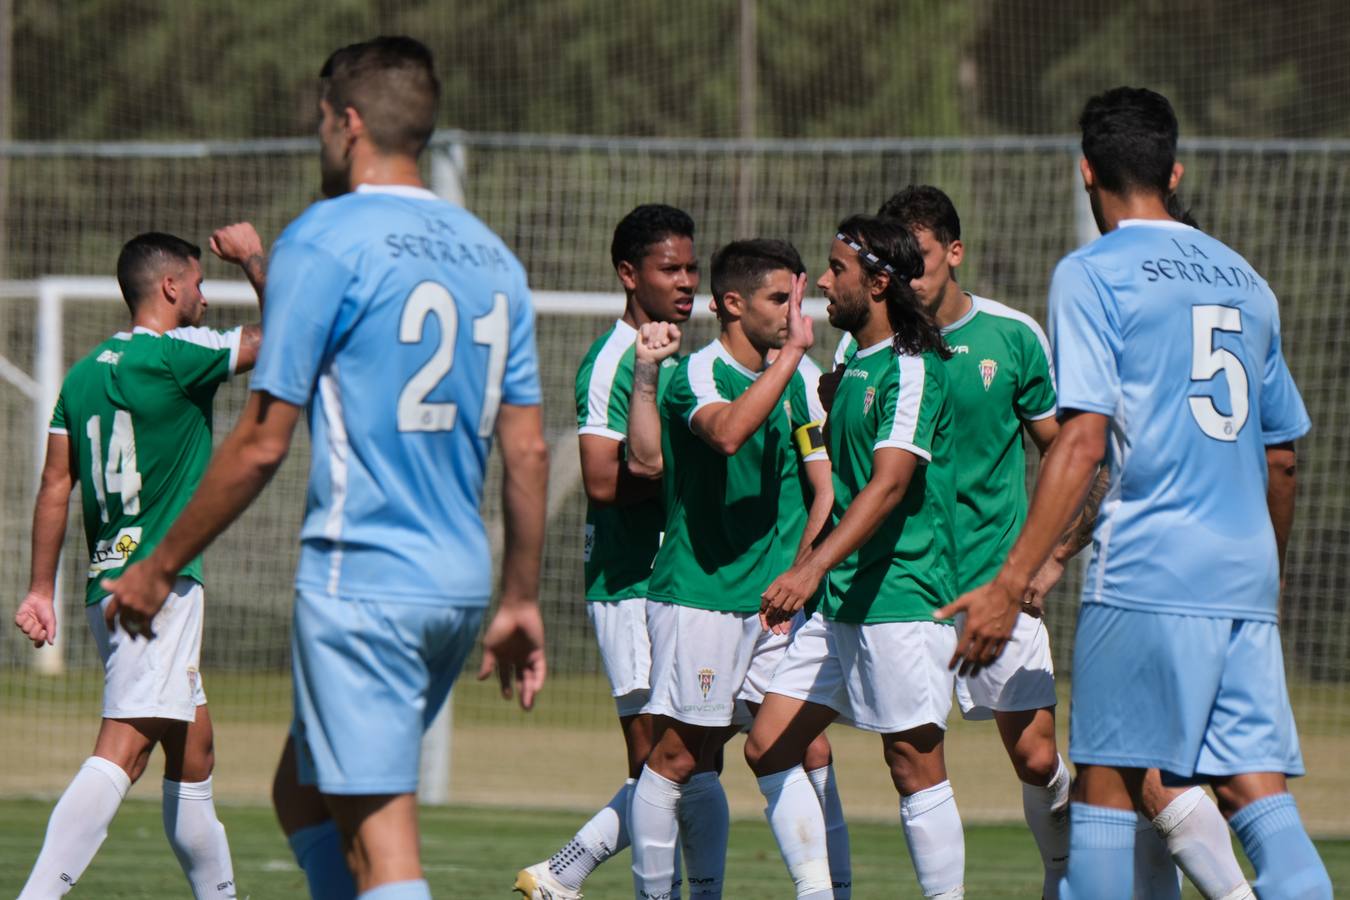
x=36 y=618
x=657 y=341
x=991 y=612
x=1033 y=601
x=800 y=334
x=514 y=646
x=237 y=243
x=788 y=594
x=828 y=385
x=136 y=596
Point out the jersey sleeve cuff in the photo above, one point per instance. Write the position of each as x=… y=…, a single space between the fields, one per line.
x=1042 y=415
x=232 y=340
x=1286 y=434
x=1092 y=406
x=819 y=455
x=55 y=430
x=702 y=404
x=924 y=455
x=261 y=386
x=601 y=431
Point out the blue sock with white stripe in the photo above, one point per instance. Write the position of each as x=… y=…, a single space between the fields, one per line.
x=318 y=850
x=1286 y=862
x=1101 y=854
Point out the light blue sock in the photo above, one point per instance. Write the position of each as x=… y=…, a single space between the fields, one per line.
x=318 y=850
x=1286 y=862
x=399 y=890
x=1101 y=854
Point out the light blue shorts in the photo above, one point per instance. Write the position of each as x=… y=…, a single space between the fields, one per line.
x=1194 y=696
x=369 y=677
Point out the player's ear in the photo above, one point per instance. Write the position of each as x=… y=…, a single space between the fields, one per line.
x=956 y=252
x=351 y=118
x=1089 y=176
x=1177 y=171
x=877 y=285
x=168 y=287
x=627 y=273
x=733 y=304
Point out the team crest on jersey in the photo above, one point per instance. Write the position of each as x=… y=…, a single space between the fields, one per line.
x=705 y=681
x=868 y=396
x=988 y=369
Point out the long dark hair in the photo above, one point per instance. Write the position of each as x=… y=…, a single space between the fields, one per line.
x=888 y=248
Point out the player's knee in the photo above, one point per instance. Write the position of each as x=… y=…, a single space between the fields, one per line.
x=818 y=754
x=672 y=760
x=1036 y=764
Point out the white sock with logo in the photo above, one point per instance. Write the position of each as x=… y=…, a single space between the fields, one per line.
x=937 y=842
x=654 y=831
x=198 y=839
x=836 y=830
x=77 y=828
x=798 y=825
x=600 y=838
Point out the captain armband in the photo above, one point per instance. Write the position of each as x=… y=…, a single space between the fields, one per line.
x=810 y=438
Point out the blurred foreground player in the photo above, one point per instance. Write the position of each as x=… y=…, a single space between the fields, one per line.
x=133 y=426
x=406 y=328
x=1167 y=346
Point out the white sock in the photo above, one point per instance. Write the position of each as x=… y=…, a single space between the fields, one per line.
x=78 y=825
x=198 y=839
x=705 y=823
x=654 y=831
x=836 y=830
x=1197 y=837
x=798 y=824
x=1047 y=814
x=937 y=843
x=1155 y=875
x=603 y=836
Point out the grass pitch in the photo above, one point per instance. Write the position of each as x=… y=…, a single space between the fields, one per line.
x=474 y=853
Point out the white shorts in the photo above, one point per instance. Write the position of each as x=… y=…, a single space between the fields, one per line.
x=154 y=679
x=625 y=650
x=769 y=651
x=699 y=660
x=1023 y=677
x=888 y=677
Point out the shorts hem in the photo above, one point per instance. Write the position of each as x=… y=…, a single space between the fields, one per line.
x=1125 y=762
x=908 y=726
x=803 y=696
x=981 y=713
x=176 y=715
x=360 y=789
x=689 y=719
x=633 y=707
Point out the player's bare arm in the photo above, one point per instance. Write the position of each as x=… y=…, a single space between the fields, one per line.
x=1078 y=536
x=656 y=341
x=606 y=476
x=1282 y=466
x=35 y=616
x=240 y=469
x=239 y=244
x=514 y=642
x=1066 y=475
x=726 y=426
x=892 y=469
x=821 y=480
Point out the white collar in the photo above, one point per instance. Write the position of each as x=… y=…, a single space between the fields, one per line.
x=1161 y=223
x=725 y=355
x=875 y=348
x=966 y=316
x=397 y=190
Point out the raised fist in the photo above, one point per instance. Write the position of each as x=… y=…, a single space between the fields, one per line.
x=656 y=341
x=236 y=243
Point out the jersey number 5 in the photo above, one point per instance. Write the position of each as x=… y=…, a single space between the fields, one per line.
x=1206 y=363
x=414 y=412
x=119 y=476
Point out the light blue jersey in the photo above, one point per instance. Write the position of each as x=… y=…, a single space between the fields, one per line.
x=1174 y=336
x=403 y=323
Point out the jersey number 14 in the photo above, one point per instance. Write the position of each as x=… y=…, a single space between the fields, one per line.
x=119 y=475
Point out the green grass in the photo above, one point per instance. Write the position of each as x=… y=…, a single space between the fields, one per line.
x=474 y=853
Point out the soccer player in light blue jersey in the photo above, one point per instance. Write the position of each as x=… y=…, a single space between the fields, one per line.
x=1167 y=346
x=405 y=328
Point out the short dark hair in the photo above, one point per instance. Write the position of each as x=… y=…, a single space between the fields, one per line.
x=391 y=82
x=924 y=206
x=647 y=224
x=892 y=244
x=142 y=260
x=741 y=266
x=1130 y=140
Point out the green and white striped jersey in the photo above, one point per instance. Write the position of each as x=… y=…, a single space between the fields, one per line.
x=138 y=413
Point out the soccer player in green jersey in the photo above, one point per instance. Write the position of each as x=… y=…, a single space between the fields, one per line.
x=727 y=455
x=653 y=256
x=872 y=654
x=132 y=425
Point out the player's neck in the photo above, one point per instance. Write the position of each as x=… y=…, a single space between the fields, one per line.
x=955 y=304
x=1116 y=208
x=156 y=319
x=741 y=349
x=374 y=168
x=877 y=329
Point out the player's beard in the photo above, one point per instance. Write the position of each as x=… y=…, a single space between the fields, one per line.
x=334 y=175
x=850 y=311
